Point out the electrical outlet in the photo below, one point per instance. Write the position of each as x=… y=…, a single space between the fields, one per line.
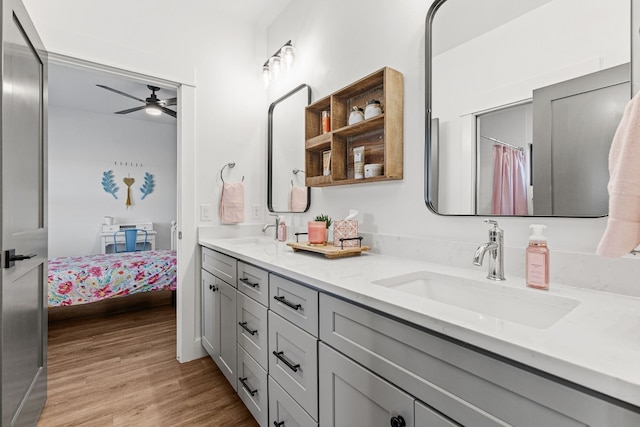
x=255 y=212
x=205 y=212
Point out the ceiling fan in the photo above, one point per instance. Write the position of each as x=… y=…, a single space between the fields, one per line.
x=152 y=105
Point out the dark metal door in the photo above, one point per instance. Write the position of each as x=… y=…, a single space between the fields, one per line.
x=24 y=220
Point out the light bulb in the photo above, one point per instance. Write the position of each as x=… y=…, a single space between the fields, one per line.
x=274 y=66
x=266 y=77
x=152 y=110
x=288 y=53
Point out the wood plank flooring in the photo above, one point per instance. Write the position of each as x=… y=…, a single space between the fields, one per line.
x=121 y=370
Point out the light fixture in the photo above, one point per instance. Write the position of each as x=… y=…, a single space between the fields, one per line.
x=287 y=53
x=152 y=109
x=282 y=59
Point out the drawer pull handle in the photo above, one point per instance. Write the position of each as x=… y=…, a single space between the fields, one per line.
x=397 y=421
x=246 y=386
x=244 y=326
x=213 y=288
x=248 y=283
x=279 y=355
x=278 y=424
x=282 y=300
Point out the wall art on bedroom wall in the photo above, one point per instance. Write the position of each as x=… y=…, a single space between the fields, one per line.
x=109 y=185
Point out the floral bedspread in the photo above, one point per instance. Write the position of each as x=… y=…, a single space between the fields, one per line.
x=80 y=280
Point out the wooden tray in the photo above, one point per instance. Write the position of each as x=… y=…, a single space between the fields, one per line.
x=328 y=250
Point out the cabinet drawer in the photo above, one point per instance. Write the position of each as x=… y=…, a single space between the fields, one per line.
x=427 y=417
x=253 y=282
x=294 y=302
x=351 y=395
x=471 y=388
x=252 y=329
x=283 y=409
x=293 y=362
x=252 y=387
x=220 y=265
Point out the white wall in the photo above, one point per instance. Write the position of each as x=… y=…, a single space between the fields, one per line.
x=82 y=146
x=339 y=42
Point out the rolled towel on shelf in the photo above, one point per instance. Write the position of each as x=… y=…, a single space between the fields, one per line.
x=232 y=203
x=298 y=199
x=622 y=234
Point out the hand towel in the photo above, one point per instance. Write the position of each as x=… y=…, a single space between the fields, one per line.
x=298 y=200
x=232 y=203
x=623 y=226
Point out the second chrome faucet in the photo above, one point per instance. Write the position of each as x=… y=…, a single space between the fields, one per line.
x=495 y=247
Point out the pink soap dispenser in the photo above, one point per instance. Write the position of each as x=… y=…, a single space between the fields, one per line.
x=537 y=258
x=282 y=230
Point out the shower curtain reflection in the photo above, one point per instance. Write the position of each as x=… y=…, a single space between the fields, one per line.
x=509 y=181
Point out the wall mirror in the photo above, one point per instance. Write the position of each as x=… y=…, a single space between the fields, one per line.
x=286 y=191
x=522 y=101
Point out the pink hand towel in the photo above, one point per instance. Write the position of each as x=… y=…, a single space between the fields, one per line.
x=232 y=203
x=298 y=200
x=623 y=226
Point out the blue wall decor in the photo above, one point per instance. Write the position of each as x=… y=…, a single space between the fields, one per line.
x=109 y=184
x=147 y=187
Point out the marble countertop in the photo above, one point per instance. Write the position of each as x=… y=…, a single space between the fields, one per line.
x=596 y=345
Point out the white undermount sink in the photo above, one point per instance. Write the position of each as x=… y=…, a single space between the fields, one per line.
x=252 y=241
x=528 y=307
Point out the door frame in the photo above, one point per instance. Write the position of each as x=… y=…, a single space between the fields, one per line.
x=188 y=345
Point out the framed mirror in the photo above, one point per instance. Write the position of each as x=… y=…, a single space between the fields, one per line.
x=286 y=190
x=522 y=102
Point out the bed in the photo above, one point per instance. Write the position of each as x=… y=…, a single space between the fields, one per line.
x=91 y=278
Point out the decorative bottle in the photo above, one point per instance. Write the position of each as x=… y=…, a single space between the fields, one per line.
x=282 y=230
x=537 y=274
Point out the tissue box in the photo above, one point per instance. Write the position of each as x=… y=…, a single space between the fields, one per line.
x=344 y=229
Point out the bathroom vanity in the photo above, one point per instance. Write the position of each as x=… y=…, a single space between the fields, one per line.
x=378 y=340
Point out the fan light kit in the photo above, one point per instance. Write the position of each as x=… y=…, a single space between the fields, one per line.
x=152 y=105
x=281 y=60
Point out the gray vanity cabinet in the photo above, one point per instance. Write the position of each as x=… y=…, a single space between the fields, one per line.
x=219 y=312
x=225 y=317
x=428 y=417
x=209 y=301
x=352 y=396
x=465 y=385
x=311 y=359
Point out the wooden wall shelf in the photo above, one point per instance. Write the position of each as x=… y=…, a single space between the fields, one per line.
x=382 y=136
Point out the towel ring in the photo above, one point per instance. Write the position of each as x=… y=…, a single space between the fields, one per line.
x=230 y=166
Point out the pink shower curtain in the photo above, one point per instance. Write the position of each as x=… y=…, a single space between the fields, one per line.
x=509 y=185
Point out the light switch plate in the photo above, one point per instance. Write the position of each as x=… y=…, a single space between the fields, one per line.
x=255 y=212
x=205 y=212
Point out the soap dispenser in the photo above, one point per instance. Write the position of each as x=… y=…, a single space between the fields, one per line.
x=282 y=230
x=537 y=270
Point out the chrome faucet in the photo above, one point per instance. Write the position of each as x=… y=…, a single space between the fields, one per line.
x=273 y=225
x=495 y=247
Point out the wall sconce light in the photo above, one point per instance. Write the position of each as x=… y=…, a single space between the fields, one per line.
x=282 y=59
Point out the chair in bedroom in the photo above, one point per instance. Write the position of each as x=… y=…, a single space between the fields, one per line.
x=130 y=240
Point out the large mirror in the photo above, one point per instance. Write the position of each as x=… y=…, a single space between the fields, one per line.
x=286 y=190
x=522 y=101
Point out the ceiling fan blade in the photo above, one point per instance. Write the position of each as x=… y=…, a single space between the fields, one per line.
x=130 y=110
x=170 y=101
x=121 y=93
x=168 y=111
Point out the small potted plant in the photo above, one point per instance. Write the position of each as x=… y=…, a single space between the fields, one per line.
x=325 y=218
